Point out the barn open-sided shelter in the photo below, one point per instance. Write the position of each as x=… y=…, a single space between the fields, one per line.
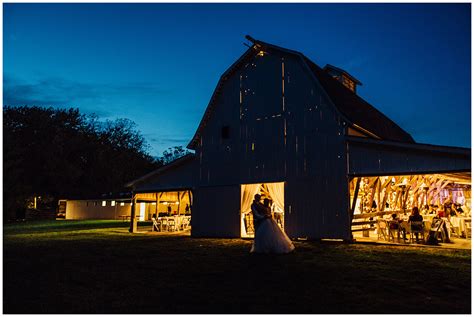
x=279 y=124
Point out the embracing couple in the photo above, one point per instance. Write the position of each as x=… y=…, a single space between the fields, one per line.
x=269 y=237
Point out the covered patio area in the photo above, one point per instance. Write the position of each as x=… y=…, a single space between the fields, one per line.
x=168 y=211
x=430 y=209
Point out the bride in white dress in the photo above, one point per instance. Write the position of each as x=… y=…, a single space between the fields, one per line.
x=269 y=237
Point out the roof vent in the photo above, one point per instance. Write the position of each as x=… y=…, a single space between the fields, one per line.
x=343 y=77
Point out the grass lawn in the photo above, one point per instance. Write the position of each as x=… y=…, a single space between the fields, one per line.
x=98 y=267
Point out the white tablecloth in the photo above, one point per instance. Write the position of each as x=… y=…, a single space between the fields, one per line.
x=459 y=224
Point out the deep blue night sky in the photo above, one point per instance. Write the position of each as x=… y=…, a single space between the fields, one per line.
x=158 y=64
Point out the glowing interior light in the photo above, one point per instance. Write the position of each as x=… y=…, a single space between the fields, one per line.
x=112 y=203
x=104 y=203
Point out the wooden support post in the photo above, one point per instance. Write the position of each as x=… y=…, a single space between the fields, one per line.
x=133 y=219
x=407 y=193
x=387 y=191
x=190 y=202
x=179 y=203
x=372 y=192
x=354 y=199
x=156 y=205
x=397 y=198
x=379 y=189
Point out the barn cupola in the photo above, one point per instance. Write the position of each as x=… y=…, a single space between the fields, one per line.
x=343 y=77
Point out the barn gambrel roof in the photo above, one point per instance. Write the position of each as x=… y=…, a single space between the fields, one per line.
x=352 y=107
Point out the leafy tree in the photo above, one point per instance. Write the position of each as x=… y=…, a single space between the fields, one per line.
x=59 y=153
x=173 y=153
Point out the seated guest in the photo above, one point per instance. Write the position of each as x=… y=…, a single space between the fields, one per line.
x=415 y=215
x=374 y=205
x=395 y=222
x=426 y=209
x=448 y=210
x=432 y=209
x=453 y=211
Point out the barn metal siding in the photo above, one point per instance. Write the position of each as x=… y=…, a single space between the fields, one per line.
x=316 y=156
x=179 y=177
x=216 y=212
x=292 y=134
x=370 y=157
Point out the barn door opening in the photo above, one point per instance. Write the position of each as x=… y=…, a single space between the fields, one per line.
x=274 y=192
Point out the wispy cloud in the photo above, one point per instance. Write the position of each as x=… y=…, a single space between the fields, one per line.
x=166 y=140
x=60 y=92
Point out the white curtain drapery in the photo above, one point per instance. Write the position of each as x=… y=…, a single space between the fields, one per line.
x=247 y=194
x=277 y=193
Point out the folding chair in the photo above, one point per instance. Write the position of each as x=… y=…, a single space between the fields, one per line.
x=467 y=223
x=435 y=231
x=417 y=227
x=382 y=229
x=164 y=223
x=185 y=223
x=157 y=224
x=393 y=228
x=172 y=224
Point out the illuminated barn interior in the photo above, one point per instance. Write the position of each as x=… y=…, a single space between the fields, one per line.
x=377 y=198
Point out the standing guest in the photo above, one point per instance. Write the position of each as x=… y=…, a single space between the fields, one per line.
x=277 y=214
x=441 y=212
x=186 y=210
x=169 y=210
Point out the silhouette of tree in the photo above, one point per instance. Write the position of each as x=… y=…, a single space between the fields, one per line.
x=173 y=153
x=56 y=153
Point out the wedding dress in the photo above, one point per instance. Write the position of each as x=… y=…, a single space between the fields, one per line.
x=270 y=238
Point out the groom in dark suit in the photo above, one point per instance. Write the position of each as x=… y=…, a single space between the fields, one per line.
x=258 y=212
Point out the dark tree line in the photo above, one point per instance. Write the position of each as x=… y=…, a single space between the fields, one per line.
x=56 y=153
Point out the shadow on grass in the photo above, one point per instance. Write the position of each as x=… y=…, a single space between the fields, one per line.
x=107 y=270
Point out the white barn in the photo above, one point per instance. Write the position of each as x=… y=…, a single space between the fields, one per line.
x=279 y=124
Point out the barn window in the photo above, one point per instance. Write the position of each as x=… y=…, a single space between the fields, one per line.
x=225 y=132
x=122 y=204
x=104 y=203
x=112 y=203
